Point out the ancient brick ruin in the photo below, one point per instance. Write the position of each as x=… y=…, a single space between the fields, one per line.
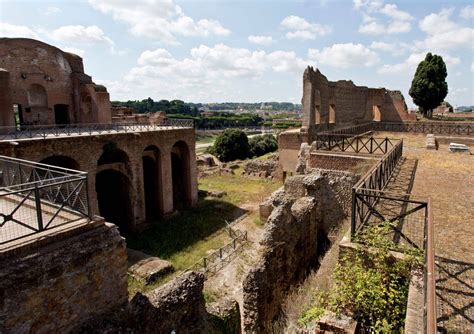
x=327 y=104
x=46 y=85
x=135 y=174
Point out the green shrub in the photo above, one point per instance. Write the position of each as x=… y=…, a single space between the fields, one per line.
x=230 y=145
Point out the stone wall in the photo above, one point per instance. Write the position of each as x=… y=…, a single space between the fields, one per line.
x=86 y=151
x=56 y=285
x=261 y=168
x=179 y=307
x=297 y=231
x=330 y=161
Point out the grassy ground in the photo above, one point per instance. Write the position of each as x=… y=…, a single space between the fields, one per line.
x=188 y=236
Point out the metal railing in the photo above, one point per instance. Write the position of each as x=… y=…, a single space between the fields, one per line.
x=46 y=131
x=211 y=263
x=355 y=144
x=35 y=197
x=352 y=129
x=441 y=128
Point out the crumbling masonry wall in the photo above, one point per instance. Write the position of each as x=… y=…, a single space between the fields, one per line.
x=303 y=215
x=56 y=284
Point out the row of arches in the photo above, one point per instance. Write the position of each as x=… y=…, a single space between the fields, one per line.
x=114 y=186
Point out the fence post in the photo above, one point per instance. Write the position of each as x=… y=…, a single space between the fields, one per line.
x=386 y=145
x=204 y=262
x=353 y=213
x=220 y=252
x=39 y=214
x=233 y=243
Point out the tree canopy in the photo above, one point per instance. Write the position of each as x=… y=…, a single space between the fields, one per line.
x=429 y=87
x=231 y=144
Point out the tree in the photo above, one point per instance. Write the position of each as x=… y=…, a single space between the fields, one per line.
x=231 y=144
x=429 y=87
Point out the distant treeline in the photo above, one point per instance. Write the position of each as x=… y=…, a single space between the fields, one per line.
x=181 y=109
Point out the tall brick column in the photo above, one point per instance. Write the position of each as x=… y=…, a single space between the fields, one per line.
x=6 y=105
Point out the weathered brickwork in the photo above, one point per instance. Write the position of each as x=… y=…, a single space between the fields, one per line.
x=56 y=287
x=85 y=152
x=47 y=86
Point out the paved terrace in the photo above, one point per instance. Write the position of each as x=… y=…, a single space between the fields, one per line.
x=80 y=130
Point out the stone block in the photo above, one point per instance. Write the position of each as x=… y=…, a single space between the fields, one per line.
x=147 y=268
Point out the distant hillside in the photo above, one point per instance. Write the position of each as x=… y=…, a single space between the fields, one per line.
x=465 y=108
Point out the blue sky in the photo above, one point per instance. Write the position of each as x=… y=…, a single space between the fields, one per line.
x=251 y=51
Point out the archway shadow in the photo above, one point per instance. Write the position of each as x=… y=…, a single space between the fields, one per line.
x=171 y=235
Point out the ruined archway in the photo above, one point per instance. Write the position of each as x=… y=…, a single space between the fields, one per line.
x=61 y=161
x=114 y=198
x=181 y=175
x=114 y=187
x=317 y=107
x=332 y=113
x=152 y=182
x=376 y=113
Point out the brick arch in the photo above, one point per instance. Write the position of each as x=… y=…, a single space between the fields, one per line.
x=61 y=161
x=181 y=175
x=152 y=183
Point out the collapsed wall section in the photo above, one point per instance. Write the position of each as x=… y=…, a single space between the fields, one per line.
x=303 y=216
x=56 y=287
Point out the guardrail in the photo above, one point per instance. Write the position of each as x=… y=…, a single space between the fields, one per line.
x=355 y=144
x=45 y=131
x=35 y=197
x=211 y=263
x=441 y=128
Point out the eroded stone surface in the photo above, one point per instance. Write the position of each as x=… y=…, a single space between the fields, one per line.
x=147 y=268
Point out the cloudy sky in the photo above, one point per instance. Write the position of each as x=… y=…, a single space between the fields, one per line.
x=249 y=51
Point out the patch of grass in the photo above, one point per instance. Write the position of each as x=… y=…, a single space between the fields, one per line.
x=258 y=222
x=185 y=238
x=239 y=189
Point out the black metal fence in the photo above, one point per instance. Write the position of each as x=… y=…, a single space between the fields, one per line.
x=355 y=144
x=36 y=197
x=211 y=263
x=46 y=131
x=441 y=128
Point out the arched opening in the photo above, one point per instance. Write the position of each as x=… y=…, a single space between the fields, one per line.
x=317 y=107
x=332 y=113
x=113 y=197
x=18 y=112
x=61 y=161
x=112 y=154
x=37 y=97
x=376 y=113
x=61 y=113
x=151 y=182
x=180 y=170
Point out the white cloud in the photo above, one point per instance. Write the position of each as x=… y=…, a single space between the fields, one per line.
x=260 y=40
x=11 y=30
x=408 y=67
x=472 y=66
x=443 y=33
x=467 y=12
x=299 y=28
x=344 y=55
x=162 y=20
x=206 y=73
x=399 y=21
x=396 y=14
x=81 y=35
x=51 y=10
x=76 y=51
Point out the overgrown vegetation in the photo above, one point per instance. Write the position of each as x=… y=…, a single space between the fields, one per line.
x=369 y=285
x=234 y=144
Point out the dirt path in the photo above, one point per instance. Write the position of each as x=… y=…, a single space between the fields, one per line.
x=228 y=281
